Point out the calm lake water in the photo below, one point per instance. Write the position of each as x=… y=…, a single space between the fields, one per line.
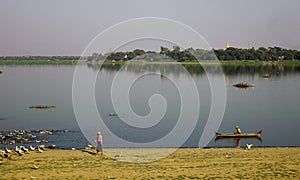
x=272 y=105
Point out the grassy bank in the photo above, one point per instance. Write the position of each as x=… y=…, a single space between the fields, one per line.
x=36 y=62
x=185 y=163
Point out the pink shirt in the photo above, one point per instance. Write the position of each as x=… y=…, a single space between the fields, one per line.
x=99 y=138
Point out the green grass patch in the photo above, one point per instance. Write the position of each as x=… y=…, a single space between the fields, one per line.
x=36 y=62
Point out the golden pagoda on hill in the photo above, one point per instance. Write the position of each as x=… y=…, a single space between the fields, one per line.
x=227 y=45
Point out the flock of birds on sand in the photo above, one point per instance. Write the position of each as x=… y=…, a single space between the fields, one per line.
x=20 y=151
x=22 y=137
x=21 y=142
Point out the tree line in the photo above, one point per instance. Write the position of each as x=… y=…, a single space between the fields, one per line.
x=261 y=54
x=190 y=54
x=176 y=54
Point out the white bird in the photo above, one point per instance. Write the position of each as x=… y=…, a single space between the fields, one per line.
x=89 y=146
x=33 y=136
x=25 y=150
x=20 y=153
x=7 y=150
x=4 y=154
x=31 y=148
x=42 y=147
x=35 y=167
x=249 y=146
x=39 y=150
x=37 y=141
x=52 y=146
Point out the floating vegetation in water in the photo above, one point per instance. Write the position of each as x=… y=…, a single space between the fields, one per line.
x=41 y=107
x=243 y=85
x=113 y=114
x=266 y=76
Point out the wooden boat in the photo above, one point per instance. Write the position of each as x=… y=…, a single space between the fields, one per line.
x=243 y=85
x=243 y=135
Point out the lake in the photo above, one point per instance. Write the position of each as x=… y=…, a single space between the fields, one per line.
x=272 y=105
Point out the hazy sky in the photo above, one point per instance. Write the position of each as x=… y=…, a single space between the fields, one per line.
x=65 y=27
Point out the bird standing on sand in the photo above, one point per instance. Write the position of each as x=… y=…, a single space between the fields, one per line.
x=25 y=150
x=7 y=150
x=39 y=150
x=90 y=146
x=52 y=146
x=4 y=154
x=31 y=148
x=249 y=146
x=19 y=152
x=42 y=147
x=35 y=167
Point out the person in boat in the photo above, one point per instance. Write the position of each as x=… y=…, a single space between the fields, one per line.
x=99 y=143
x=238 y=130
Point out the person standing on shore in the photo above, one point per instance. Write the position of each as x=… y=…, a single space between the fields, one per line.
x=99 y=141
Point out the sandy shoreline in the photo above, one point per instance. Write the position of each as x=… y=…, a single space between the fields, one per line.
x=184 y=163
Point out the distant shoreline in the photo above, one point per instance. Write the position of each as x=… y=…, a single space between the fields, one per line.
x=204 y=62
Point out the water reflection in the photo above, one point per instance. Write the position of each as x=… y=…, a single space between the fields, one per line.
x=194 y=69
